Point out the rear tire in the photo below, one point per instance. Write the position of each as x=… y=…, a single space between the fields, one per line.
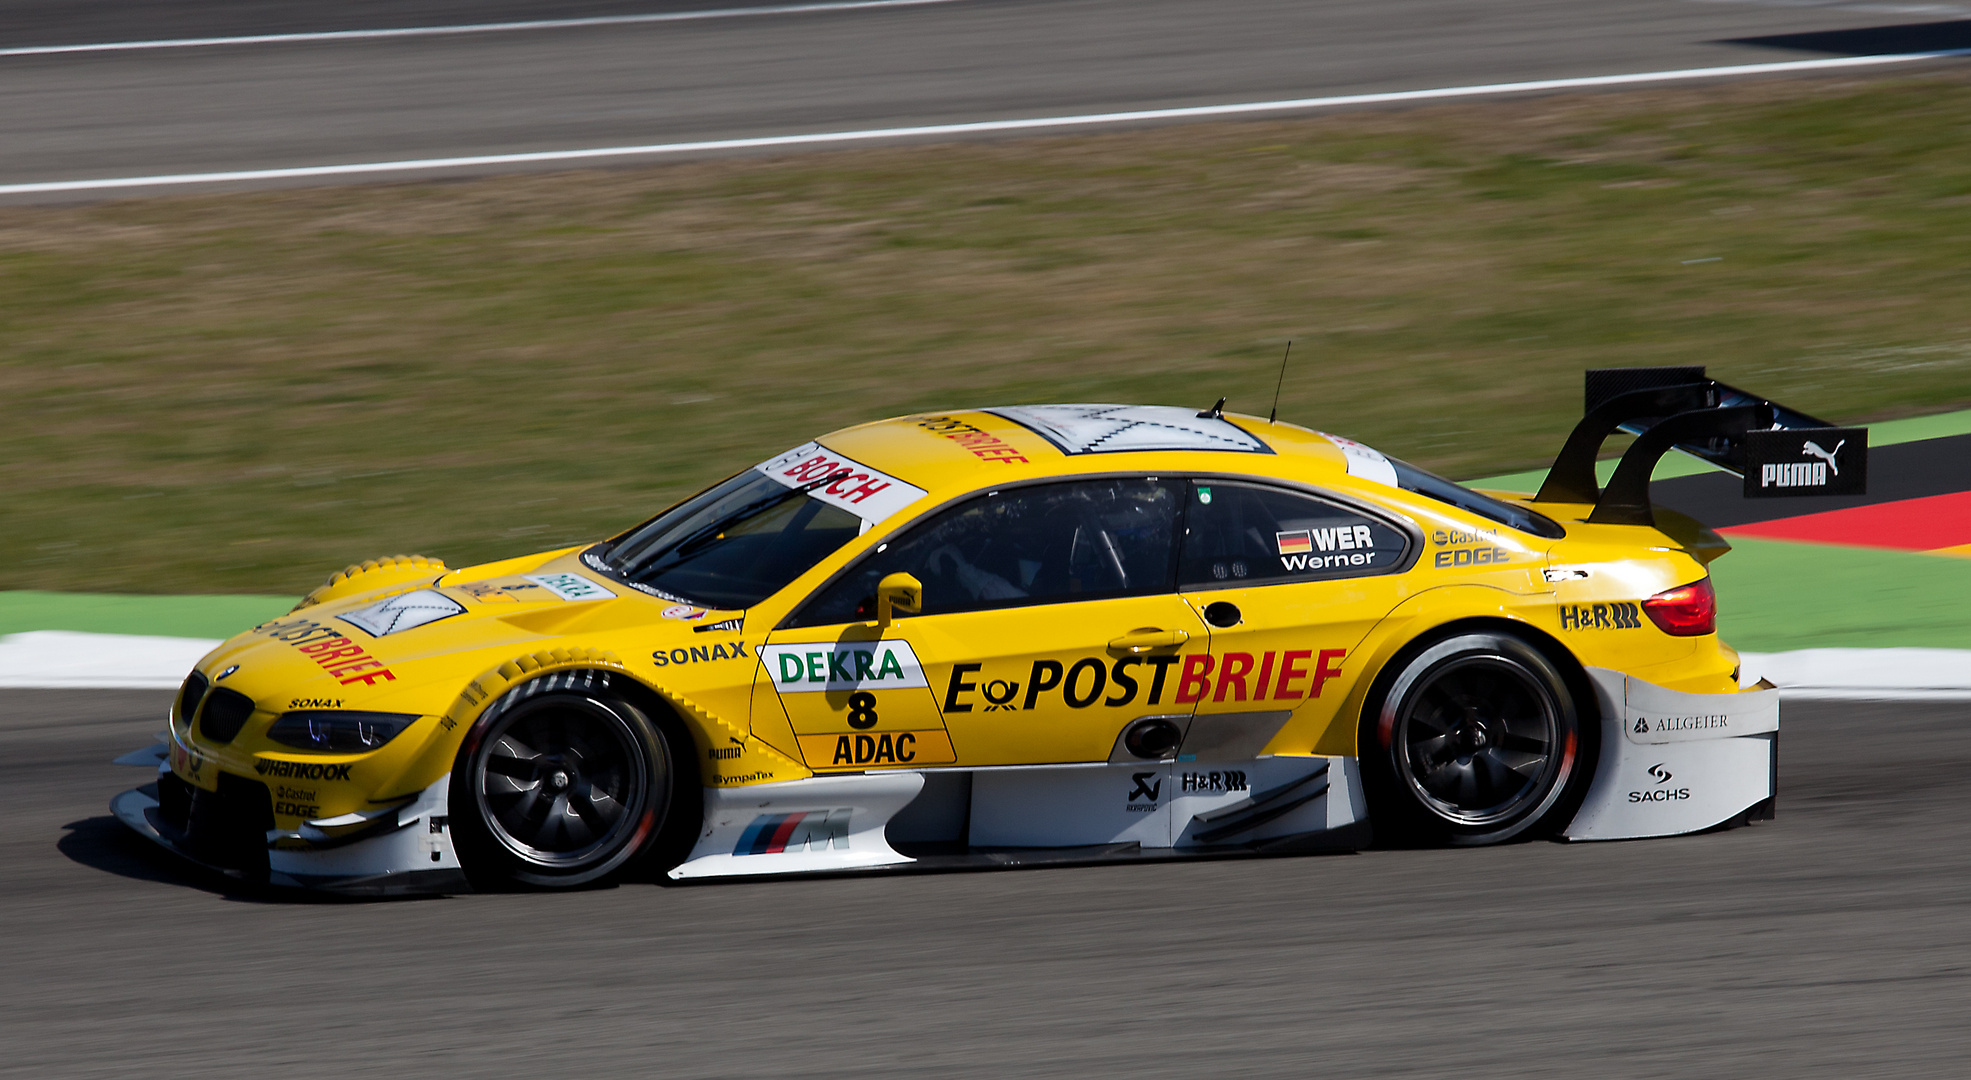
x=1472 y=739
x=561 y=784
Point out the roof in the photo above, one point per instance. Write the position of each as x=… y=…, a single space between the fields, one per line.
x=897 y=461
x=1110 y=429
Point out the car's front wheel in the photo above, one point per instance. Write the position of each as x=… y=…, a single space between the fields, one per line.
x=1475 y=739
x=561 y=783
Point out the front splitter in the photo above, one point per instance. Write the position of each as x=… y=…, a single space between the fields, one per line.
x=138 y=809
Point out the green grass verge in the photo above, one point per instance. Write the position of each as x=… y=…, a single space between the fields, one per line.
x=242 y=393
x=165 y=616
x=1774 y=596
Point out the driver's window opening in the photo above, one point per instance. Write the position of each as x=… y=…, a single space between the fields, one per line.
x=1049 y=543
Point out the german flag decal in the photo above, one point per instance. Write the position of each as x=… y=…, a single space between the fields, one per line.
x=1298 y=542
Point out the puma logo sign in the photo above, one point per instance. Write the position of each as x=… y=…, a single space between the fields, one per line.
x=1812 y=449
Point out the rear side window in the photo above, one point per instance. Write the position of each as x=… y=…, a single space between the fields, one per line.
x=1251 y=534
x=1411 y=478
x=1046 y=544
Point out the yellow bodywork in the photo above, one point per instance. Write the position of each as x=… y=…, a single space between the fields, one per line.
x=1311 y=649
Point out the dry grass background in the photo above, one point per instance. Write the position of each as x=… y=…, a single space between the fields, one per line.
x=241 y=392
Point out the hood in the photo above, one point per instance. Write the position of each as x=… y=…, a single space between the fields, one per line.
x=412 y=650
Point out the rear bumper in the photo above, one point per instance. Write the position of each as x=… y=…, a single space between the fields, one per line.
x=1674 y=762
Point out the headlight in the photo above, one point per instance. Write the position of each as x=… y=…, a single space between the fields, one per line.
x=338 y=732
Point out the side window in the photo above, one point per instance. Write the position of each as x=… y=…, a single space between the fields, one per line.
x=1250 y=533
x=1082 y=540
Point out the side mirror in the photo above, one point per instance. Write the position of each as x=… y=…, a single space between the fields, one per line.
x=897 y=592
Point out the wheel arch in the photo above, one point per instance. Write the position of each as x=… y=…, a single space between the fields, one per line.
x=461 y=717
x=1372 y=754
x=1557 y=653
x=1427 y=616
x=682 y=726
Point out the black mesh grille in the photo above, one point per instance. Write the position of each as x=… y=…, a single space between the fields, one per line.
x=188 y=698
x=225 y=713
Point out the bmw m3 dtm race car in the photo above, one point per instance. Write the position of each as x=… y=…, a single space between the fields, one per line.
x=1011 y=636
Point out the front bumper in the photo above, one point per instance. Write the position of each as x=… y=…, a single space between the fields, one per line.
x=396 y=851
x=1674 y=762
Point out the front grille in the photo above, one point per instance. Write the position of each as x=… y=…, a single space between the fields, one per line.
x=188 y=698
x=225 y=713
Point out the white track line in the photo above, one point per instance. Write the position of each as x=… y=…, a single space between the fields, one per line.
x=471 y=28
x=979 y=127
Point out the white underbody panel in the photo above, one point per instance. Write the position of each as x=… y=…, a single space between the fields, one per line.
x=832 y=823
x=822 y=823
x=422 y=841
x=1161 y=804
x=1673 y=762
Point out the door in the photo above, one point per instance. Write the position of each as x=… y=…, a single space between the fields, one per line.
x=1049 y=621
x=1290 y=583
x=856 y=699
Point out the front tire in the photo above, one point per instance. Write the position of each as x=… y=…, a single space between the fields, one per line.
x=560 y=784
x=1477 y=738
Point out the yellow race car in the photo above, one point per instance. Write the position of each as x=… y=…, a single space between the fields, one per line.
x=1011 y=636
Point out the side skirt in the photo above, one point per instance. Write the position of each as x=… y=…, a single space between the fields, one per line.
x=1024 y=817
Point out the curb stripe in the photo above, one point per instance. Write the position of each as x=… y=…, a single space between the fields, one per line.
x=975 y=128
x=468 y=28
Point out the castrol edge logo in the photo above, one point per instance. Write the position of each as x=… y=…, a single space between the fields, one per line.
x=857 y=488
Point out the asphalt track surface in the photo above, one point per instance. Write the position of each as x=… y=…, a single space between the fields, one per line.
x=150 y=112
x=1834 y=941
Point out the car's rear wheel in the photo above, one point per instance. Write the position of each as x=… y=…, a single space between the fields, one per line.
x=1475 y=739
x=560 y=784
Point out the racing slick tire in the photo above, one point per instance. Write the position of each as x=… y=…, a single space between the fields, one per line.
x=563 y=784
x=1475 y=738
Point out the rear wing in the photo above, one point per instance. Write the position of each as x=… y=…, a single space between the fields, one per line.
x=1779 y=451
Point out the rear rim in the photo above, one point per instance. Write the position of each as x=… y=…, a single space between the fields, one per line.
x=562 y=785
x=1480 y=741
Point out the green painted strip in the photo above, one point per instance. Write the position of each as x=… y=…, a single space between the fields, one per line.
x=162 y=616
x=1774 y=596
x=1887 y=433
x=1915 y=428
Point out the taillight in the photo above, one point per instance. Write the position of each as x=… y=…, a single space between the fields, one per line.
x=1685 y=611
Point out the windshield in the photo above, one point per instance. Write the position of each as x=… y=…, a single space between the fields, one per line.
x=732 y=545
x=1411 y=478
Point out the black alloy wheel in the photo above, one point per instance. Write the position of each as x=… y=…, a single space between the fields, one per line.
x=1477 y=739
x=561 y=786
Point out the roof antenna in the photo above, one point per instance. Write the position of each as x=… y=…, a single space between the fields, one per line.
x=1275 y=414
x=1216 y=412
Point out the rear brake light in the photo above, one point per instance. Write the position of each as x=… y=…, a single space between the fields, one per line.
x=1685 y=611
